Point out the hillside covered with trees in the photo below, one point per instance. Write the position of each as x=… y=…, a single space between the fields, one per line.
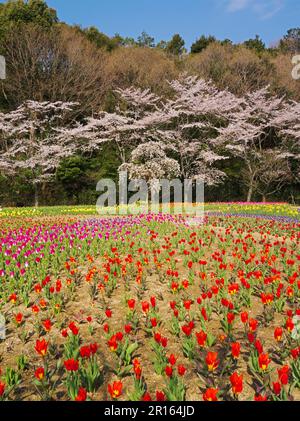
x=192 y=111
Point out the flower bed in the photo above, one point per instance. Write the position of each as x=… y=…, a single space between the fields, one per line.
x=149 y=308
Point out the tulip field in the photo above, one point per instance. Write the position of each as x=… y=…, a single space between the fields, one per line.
x=150 y=307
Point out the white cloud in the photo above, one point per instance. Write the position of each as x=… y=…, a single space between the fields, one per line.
x=265 y=9
x=236 y=5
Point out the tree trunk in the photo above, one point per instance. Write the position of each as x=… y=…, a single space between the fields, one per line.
x=36 y=195
x=250 y=193
x=264 y=198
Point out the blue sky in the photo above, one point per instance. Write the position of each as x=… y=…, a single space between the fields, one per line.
x=235 y=19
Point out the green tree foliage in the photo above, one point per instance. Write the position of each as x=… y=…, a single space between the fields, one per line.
x=145 y=40
x=255 y=44
x=129 y=41
x=101 y=40
x=291 y=41
x=202 y=43
x=77 y=176
x=226 y=41
x=162 y=45
x=17 y=12
x=176 y=45
x=31 y=11
x=72 y=175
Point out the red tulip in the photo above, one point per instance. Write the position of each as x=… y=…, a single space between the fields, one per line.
x=233 y=289
x=224 y=302
x=185 y=284
x=258 y=346
x=38 y=288
x=187 y=330
x=278 y=334
x=160 y=396
x=204 y=314
x=131 y=304
x=40 y=373
x=41 y=347
x=230 y=318
x=277 y=388
x=263 y=361
x=174 y=286
x=295 y=353
x=85 y=352
x=283 y=374
x=13 y=298
x=71 y=365
x=64 y=333
x=289 y=325
x=145 y=307
x=187 y=304
x=137 y=368
x=212 y=361
x=47 y=325
x=119 y=336
x=153 y=322
x=115 y=390
x=172 y=304
x=112 y=343
x=172 y=359
x=128 y=328
x=153 y=302
x=211 y=395
x=169 y=370
x=82 y=395
x=74 y=329
x=35 y=309
x=19 y=318
x=108 y=313
x=164 y=342
x=146 y=397
x=260 y=398
x=181 y=370
x=201 y=338
x=93 y=348
x=236 y=350
x=2 y=388
x=236 y=383
x=267 y=299
x=253 y=325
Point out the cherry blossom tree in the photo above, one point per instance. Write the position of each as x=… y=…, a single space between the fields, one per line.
x=196 y=111
x=264 y=135
x=104 y=128
x=29 y=140
x=194 y=130
x=185 y=124
x=149 y=162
